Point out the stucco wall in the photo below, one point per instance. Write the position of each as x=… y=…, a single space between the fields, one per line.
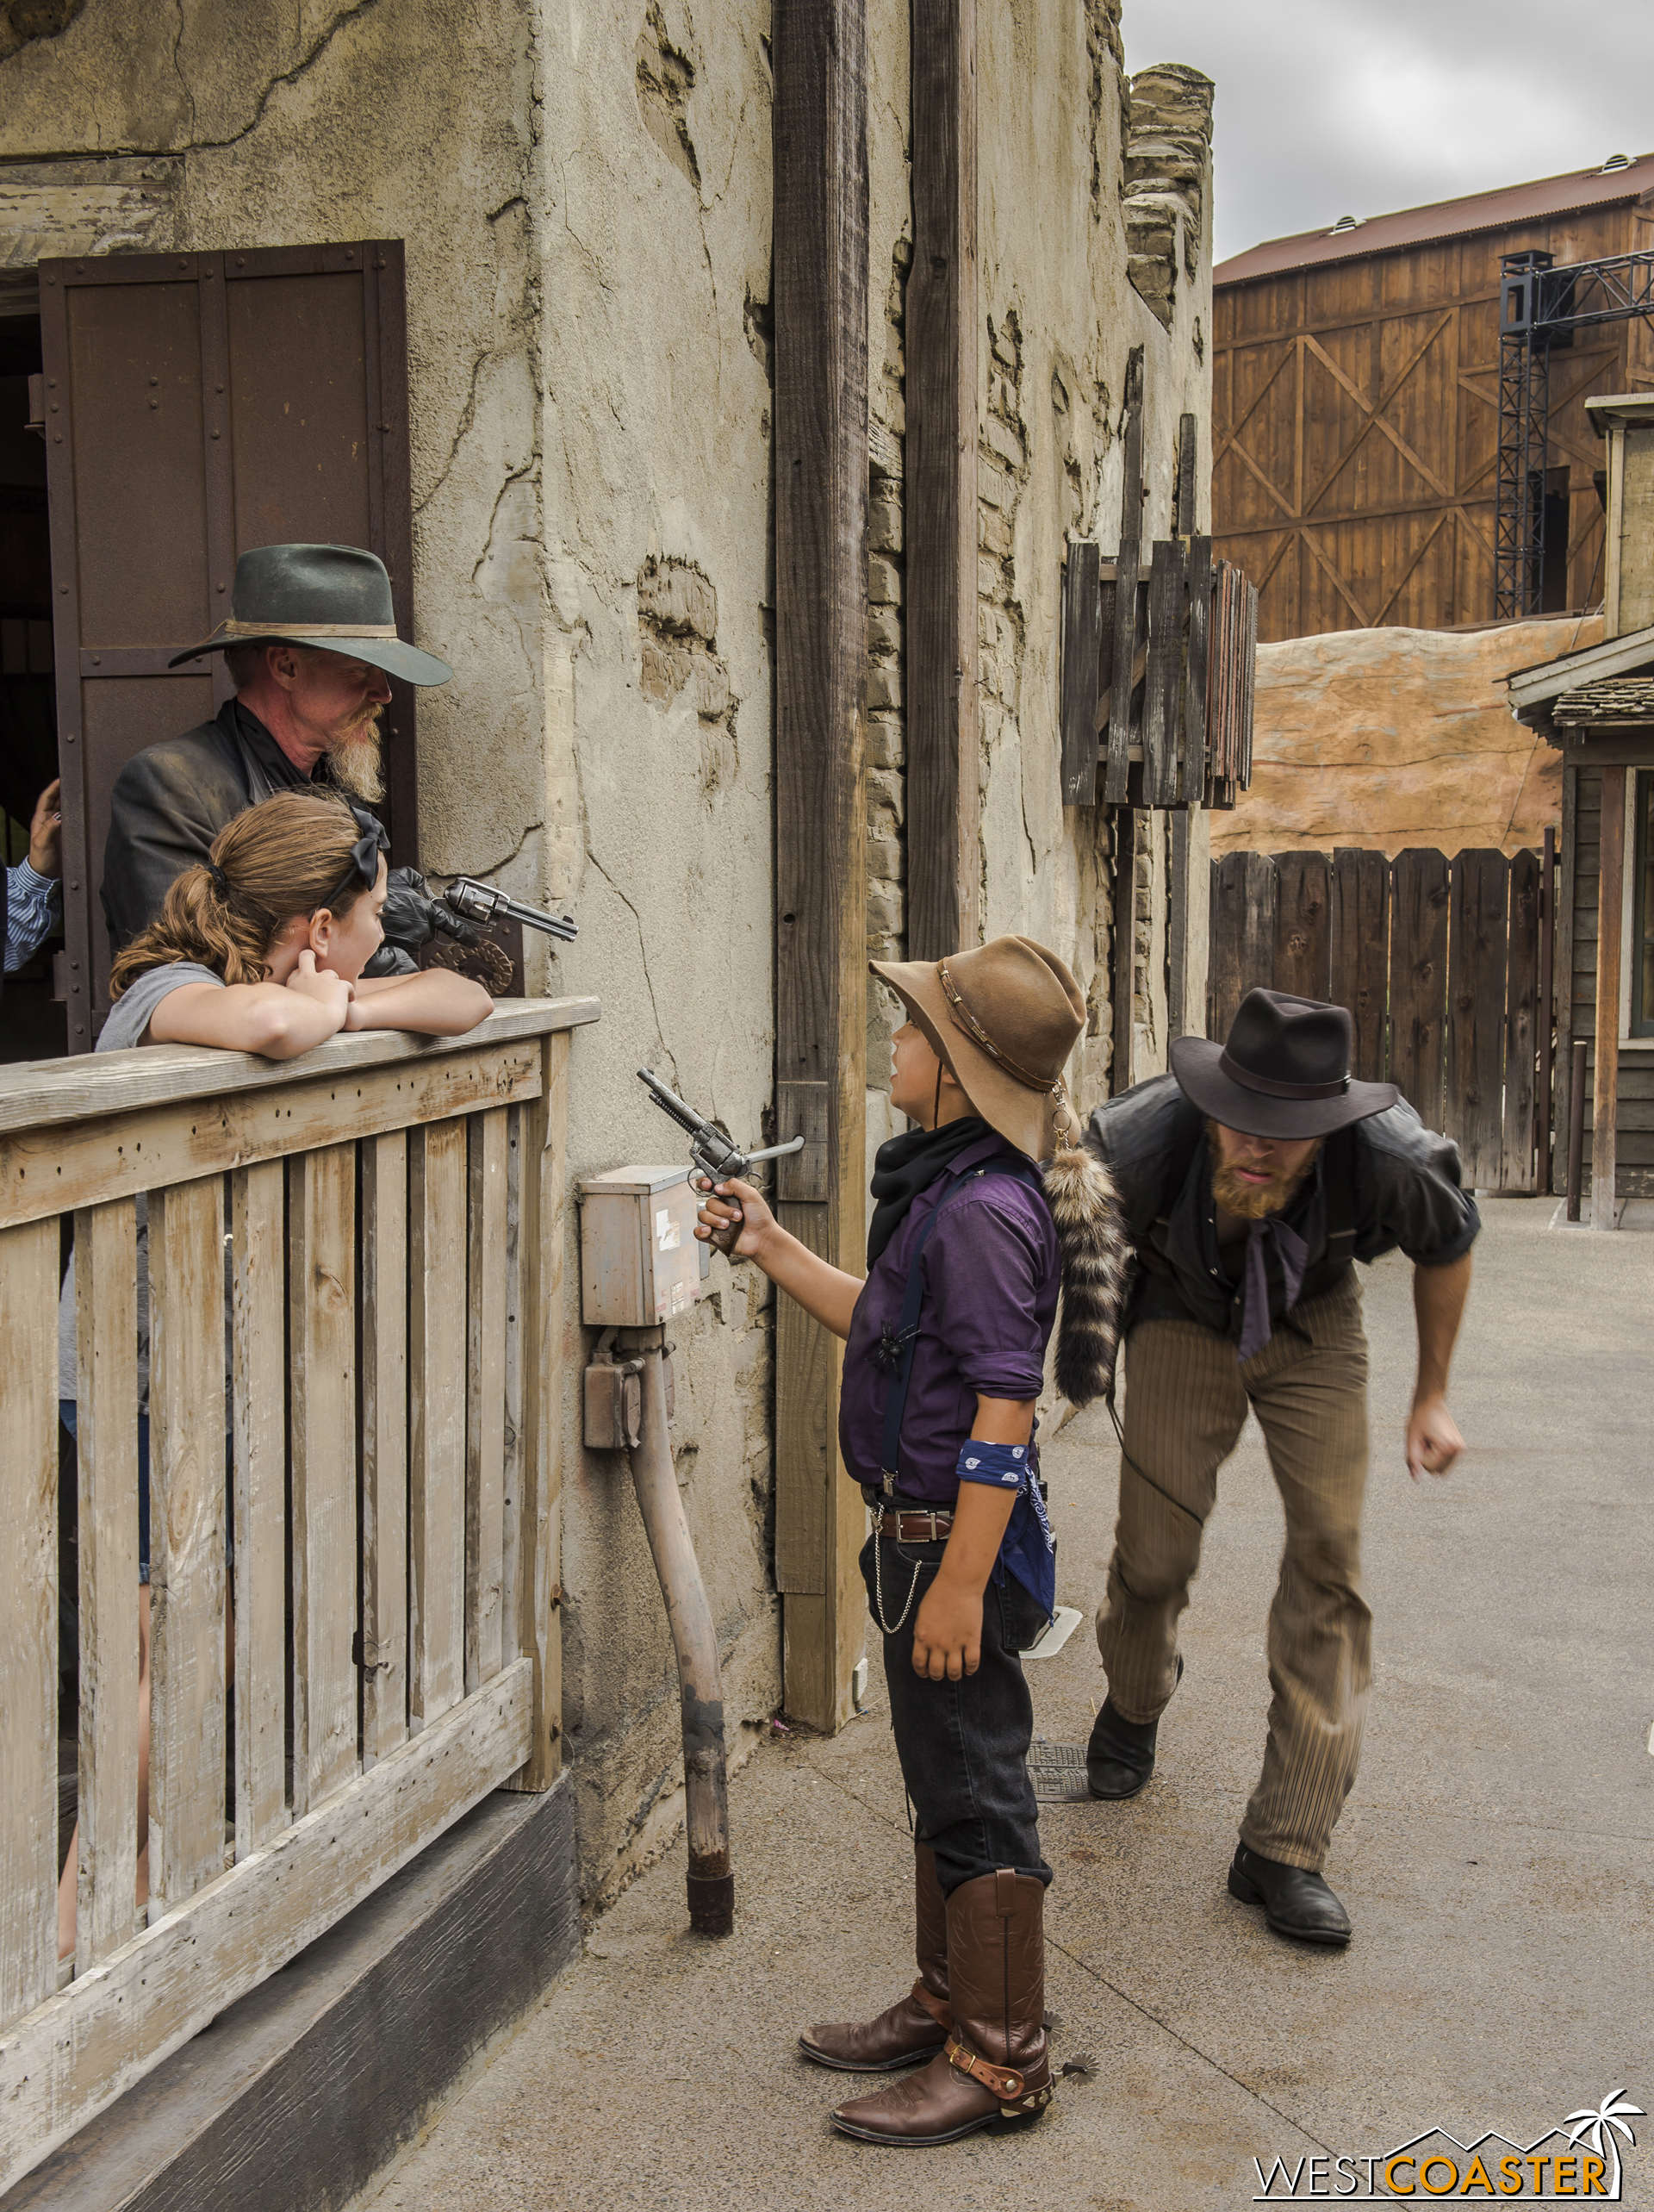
x=1065 y=294
x=1062 y=315
x=587 y=289
x=654 y=174
x=585 y=196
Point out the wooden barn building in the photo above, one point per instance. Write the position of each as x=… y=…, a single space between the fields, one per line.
x=1355 y=409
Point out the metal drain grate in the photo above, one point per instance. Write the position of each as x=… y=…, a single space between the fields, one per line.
x=1058 y=1773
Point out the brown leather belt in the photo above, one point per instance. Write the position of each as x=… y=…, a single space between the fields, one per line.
x=909 y=1527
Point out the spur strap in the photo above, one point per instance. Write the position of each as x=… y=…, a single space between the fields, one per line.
x=1004 y=2081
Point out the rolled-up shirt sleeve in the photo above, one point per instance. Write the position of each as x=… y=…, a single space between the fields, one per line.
x=34 y=907
x=988 y=1263
x=1415 y=1198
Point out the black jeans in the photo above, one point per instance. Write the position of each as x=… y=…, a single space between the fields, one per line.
x=963 y=1745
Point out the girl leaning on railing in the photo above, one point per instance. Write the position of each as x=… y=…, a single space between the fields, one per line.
x=259 y=951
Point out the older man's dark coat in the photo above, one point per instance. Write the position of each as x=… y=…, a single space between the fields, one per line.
x=171 y=801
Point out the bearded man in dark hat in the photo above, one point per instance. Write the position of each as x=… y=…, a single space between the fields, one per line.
x=1250 y=1178
x=310 y=643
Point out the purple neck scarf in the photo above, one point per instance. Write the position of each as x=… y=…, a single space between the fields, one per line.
x=1292 y=1252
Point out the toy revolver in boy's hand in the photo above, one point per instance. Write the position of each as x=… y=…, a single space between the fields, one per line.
x=712 y=1155
x=481 y=903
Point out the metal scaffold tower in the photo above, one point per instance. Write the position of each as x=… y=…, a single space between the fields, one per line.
x=1541 y=306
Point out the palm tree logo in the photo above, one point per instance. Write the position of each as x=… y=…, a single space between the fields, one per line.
x=1596 y=2127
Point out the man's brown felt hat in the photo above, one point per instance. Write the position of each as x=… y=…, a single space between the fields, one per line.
x=1285 y=1071
x=1004 y=1016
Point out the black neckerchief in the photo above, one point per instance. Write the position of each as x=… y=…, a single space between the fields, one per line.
x=905 y=1166
x=268 y=769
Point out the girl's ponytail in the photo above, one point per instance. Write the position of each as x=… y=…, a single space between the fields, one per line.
x=197 y=921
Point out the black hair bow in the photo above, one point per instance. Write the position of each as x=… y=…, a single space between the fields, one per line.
x=363 y=871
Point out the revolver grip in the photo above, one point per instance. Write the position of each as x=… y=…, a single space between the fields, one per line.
x=711 y=1172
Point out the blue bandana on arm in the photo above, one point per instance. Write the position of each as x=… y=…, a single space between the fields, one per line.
x=1028 y=1548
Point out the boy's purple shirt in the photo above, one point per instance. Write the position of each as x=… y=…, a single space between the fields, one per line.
x=990 y=1274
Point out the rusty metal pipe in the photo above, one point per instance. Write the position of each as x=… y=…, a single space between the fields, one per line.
x=701 y=1687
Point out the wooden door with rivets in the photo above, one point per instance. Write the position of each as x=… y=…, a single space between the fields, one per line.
x=197 y=405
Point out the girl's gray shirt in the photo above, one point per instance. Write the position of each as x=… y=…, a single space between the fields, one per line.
x=128 y=1019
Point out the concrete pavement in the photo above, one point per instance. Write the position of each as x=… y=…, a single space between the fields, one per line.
x=1497 y=1855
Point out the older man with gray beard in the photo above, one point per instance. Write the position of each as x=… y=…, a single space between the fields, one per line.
x=310 y=643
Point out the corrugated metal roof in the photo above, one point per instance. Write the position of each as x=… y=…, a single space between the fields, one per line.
x=1502 y=210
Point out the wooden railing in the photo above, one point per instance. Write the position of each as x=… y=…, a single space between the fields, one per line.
x=355 y=1271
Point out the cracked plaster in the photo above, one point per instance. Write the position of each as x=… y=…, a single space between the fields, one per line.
x=589 y=372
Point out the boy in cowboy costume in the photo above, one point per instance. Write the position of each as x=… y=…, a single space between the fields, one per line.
x=944 y=1358
x=1250 y=1178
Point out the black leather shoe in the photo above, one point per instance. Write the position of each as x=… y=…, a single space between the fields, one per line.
x=1296 y=1902
x=1119 y=1757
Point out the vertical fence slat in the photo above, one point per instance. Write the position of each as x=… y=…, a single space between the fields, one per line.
x=485 y=1411
x=1163 y=676
x=106 y=1300
x=186 y=1538
x=384 y=1444
x=1358 y=966
x=1474 y=1111
x=1125 y=649
x=1521 y=1167
x=1194 y=693
x=1418 y=978
x=258 y=1372
x=321 y=1337
x=1082 y=620
x=1303 y=929
x=545 y=1172
x=437 y=1341
x=1242 y=934
x=29 y=1615
x=511 y=1568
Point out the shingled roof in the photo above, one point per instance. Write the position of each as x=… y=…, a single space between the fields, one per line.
x=1505 y=210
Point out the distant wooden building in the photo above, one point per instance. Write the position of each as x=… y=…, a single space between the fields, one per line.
x=1355 y=408
x=1597 y=707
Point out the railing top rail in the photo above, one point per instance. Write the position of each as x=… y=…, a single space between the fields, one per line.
x=34 y=1094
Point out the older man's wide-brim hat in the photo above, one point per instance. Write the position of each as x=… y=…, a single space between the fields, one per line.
x=1005 y=1016
x=1285 y=1071
x=334 y=598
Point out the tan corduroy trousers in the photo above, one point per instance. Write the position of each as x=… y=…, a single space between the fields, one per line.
x=1186 y=1400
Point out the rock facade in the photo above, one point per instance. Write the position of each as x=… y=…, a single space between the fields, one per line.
x=1388 y=739
x=1167 y=182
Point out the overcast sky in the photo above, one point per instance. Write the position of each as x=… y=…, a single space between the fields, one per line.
x=1328 y=108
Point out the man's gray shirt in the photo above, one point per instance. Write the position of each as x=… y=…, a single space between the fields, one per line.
x=1406 y=1193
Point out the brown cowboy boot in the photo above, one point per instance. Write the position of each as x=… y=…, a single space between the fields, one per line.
x=916 y=2026
x=996 y=2066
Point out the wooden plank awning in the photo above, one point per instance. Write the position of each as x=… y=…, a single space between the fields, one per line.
x=1617 y=702
x=1533 y=690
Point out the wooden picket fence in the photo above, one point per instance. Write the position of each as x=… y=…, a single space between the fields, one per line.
x=1439 y=963
x=384 y=1219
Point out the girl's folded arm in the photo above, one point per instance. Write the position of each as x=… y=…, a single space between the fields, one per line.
x=436 y=1002
x=264 y=1018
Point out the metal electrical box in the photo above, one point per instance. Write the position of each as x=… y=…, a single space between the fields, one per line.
x=639 y=1259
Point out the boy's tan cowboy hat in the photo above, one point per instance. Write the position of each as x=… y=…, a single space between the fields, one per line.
x=334 y=598
x=1003 y=1017
x=1285 y=1071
